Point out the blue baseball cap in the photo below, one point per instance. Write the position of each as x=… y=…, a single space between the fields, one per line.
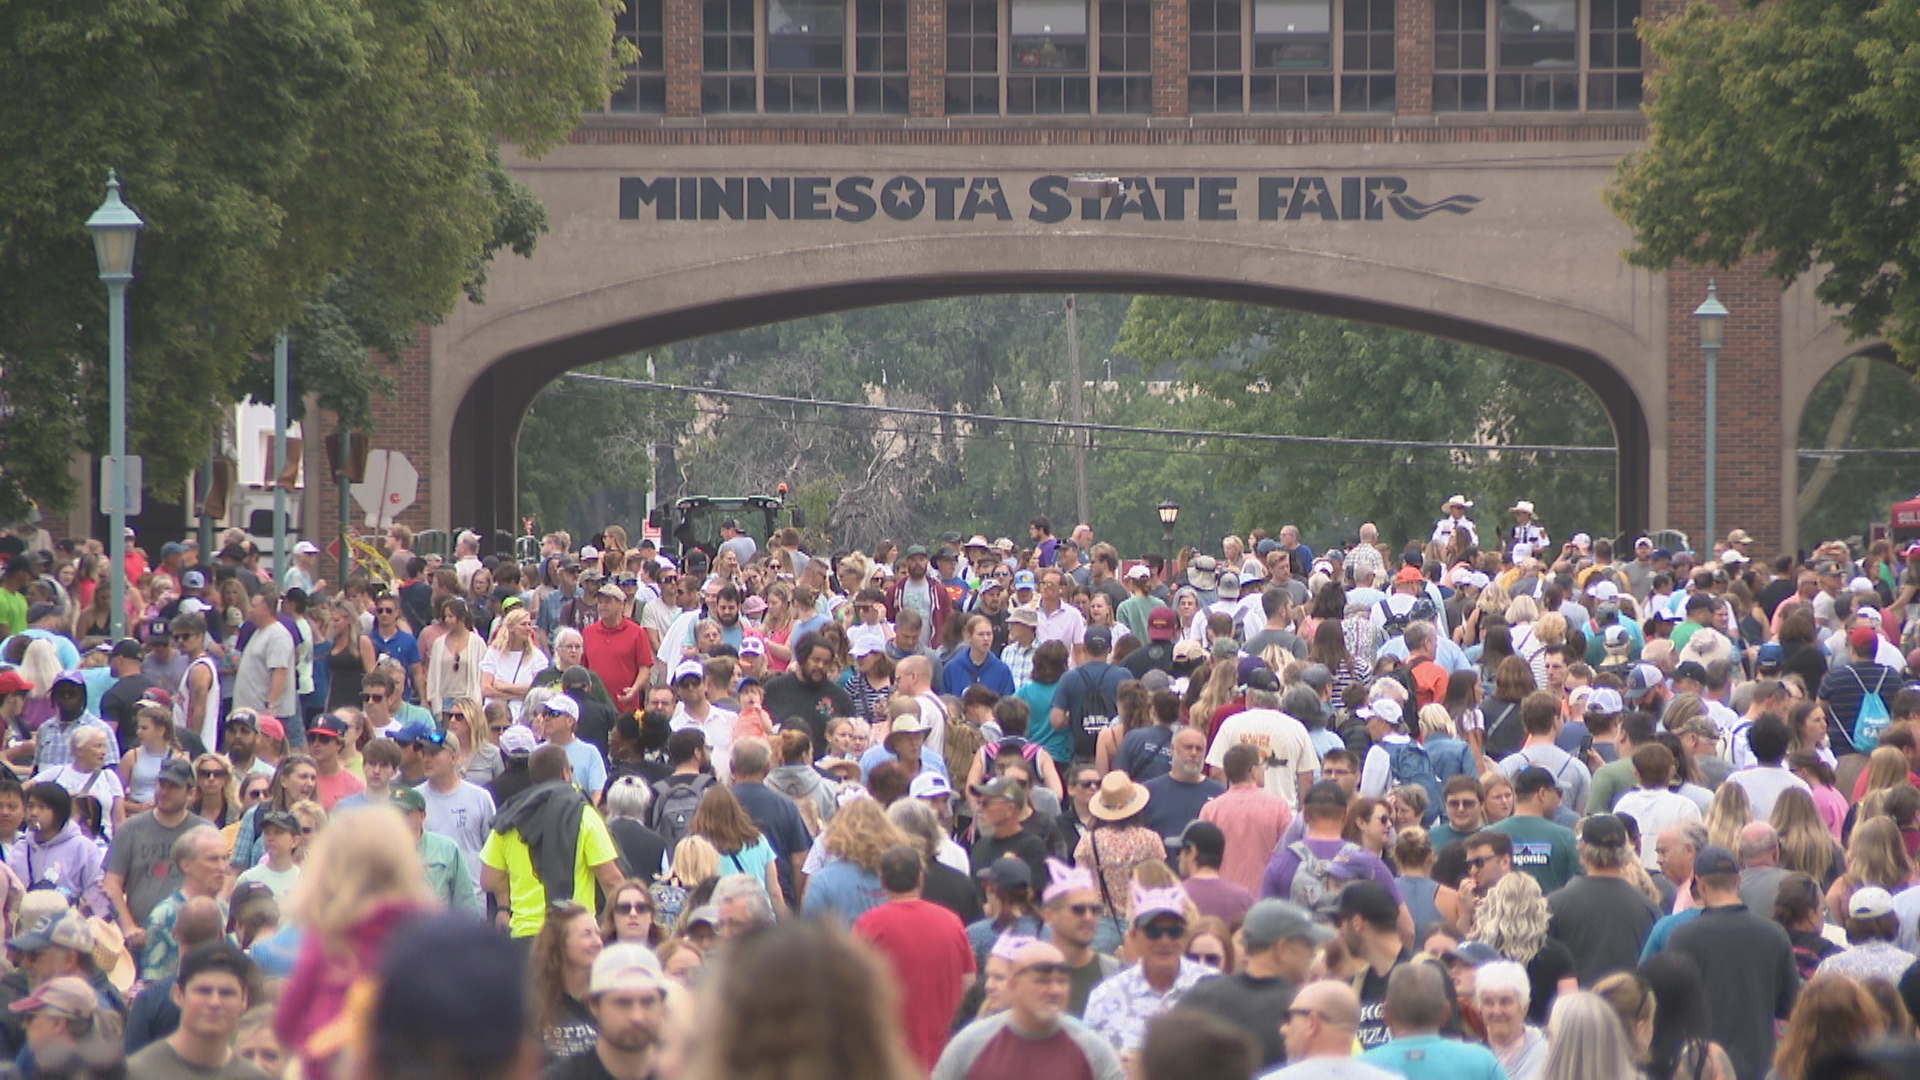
x=1024 y=579
x=414 y=731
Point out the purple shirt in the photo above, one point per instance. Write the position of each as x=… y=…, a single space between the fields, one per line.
x=1278 y=880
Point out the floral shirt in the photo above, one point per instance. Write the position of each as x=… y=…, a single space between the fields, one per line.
x=1120 y=1009
x=1120 y=851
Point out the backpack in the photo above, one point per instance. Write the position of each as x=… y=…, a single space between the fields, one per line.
x=1409 y=764
x=1499 y=742
x=1872 y=719
x=1395 y=623
x=674 y=806
x=1318 y=880
x=1096 y=712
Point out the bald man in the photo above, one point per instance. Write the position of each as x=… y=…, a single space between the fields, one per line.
x=1035 y=1036
x=1321 y=1024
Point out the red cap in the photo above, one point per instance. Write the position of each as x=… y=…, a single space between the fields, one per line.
x=1162 y=624
x=1409 y=575
x=1861 y=637
x=12 y=683
x=271 y=727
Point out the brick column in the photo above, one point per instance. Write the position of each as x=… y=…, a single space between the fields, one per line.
x=1749 y=446
x=1170 y=57
x=926 y=58
x=402 y=422
x=683 y=24
x=1413 y=57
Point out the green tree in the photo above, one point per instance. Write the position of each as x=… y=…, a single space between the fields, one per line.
x=324 y=165
x=1862 y=404
x=1789 y=131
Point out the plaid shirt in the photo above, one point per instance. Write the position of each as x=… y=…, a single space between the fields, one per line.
x=1020 y=662
x=53 y=741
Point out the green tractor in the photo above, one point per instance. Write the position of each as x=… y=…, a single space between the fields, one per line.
x=693 y=523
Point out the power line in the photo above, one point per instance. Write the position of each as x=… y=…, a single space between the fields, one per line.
x=1092 y=428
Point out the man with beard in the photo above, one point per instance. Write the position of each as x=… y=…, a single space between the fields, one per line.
x=627 y=993
x=805 y=692
x=726 y=612
x=918 y=591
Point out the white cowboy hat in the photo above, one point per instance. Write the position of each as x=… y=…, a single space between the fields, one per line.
x=1460 y=501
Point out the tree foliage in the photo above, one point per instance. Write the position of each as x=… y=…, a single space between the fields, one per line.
x=324 y=165
x=1177 y=364
x=1790 y=131
x=1862 y=486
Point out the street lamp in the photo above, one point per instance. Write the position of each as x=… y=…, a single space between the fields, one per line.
x=1169 y=513
x=1712 y=316
x=115 y=227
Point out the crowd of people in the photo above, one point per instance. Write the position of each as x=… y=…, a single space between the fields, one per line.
x=970 y=810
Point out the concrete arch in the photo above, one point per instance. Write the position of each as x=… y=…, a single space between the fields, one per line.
x=491 y=363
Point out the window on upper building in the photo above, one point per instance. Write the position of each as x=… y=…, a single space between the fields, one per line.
x=1535 y=55
x=1290 y=56
x=806 y=57
x=644 y=90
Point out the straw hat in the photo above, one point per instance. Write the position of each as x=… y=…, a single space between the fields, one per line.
x=110 y=953
x=1119 y=798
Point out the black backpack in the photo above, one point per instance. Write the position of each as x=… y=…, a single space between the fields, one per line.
x=674 y=805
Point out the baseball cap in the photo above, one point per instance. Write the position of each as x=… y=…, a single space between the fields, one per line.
x=1643 y=678
x=1138 y=572
x=1603 y=830
x=867 y=640
x=1318 y=676
x=127 y=649
x=1472 y=953
x=564 y=705
x=1098 y=639
x=328 y=724
x=414 y=731
x=626 y=966
x=1409 y=575
x=517 y=741
x=286 y=822
x=1001 y=787
x=753 y=646
x=407 y=798
x=40 y=611
x=1007 y=872
x=610 y=591
x=1531 y=780
x=1690 y=669
x=176 y=771
x=1150 y=904
x=1860 y=637
x=1263 y=679
x=1386 y=710
x=12 y=683
x=244 y=717
x=1156 y=680
x=576 y=678
x=272 y=728
x=916 y=549
x=1617 y=638
x=67 y=996
x=1368 y=899
x=1871 y=902
x=1270 y=922
x=1162 y=624
x=1228 y=585
x=306 y=547
x=1606 y=701
x=1714 y=859
x=1770 y=655
x=193 y=579
x=685 y=669
x=930 y=785
x=1023 y=579
x=1224 y=648
x=705 y=913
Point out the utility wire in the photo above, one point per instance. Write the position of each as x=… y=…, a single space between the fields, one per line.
x=1090 y=428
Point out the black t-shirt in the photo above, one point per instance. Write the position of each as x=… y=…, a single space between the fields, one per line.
x=1153 y=656
x=595 y=724
x=951 y=890
x=585 y=1066
x=1372 y=988
x=788 y=697
x=1772 y=593
x=643 y=849
x=1023 y=845
x=117 y=706
x=1603 y=921
x=1551 y=964
x=1258 y=1005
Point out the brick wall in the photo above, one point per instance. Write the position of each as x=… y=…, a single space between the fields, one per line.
x=1748 y=453
x=1413 y=57
x=403 y=422
x=682 y=24
x=926 y=58
x=1169 y=52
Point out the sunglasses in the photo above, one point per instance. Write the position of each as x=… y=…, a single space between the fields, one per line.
x=632 y=907
x=1462 y=804
x=627 y=582
x=182 y=639
x=372 y=699
x=1213 y=960
x=386 y=610
x=1476 y=864
x=1084 y=910
x=213 y=774
x=497 y=729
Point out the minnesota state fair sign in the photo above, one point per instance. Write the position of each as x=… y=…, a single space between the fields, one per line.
x=1043 y=199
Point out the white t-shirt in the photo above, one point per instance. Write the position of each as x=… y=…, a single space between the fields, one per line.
x=1569 y=774
x=103 y=785
x=1285 y=747
x=513 y=669
x=268 y=650
x=1764 y=785
x=278 y=882
x=1654 y=811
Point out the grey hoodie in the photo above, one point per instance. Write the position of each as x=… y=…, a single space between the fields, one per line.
x=805 y=782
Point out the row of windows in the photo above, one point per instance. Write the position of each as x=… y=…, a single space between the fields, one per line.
x=1093 y=57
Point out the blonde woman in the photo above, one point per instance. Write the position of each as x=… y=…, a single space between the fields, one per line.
x=1512 y=920
x=216 y=794
x=849 y=886
x=362 y=878
x=1805 y=843
x=40 y=666
x=1730 y=812
x=1876 y=855
x=511 y=663
x=480 y=759
x=694 y=860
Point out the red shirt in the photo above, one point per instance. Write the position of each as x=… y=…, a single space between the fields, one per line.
x=333 y=788
x=617 y=657
x=927 y=948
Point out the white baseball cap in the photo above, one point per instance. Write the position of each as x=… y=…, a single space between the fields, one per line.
x=689 y=669
x=561 y=703
x=306 y=547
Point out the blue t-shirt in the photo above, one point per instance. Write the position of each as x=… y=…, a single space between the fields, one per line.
x=844 y=890
x=402 y=647
x=1146 y=753
x=1057 y=742
x=1174 y=805
x=589 y=769
x=1085 y=719
x=1429 y=1056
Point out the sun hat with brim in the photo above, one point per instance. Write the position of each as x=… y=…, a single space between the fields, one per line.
x=1521 y=507
x=911 y=724
x=110 y=954
x=1460 y=501
x=1119 y=797
x=1200 y=573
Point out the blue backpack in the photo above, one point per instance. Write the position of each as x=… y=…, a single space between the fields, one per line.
x=1410 y=764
